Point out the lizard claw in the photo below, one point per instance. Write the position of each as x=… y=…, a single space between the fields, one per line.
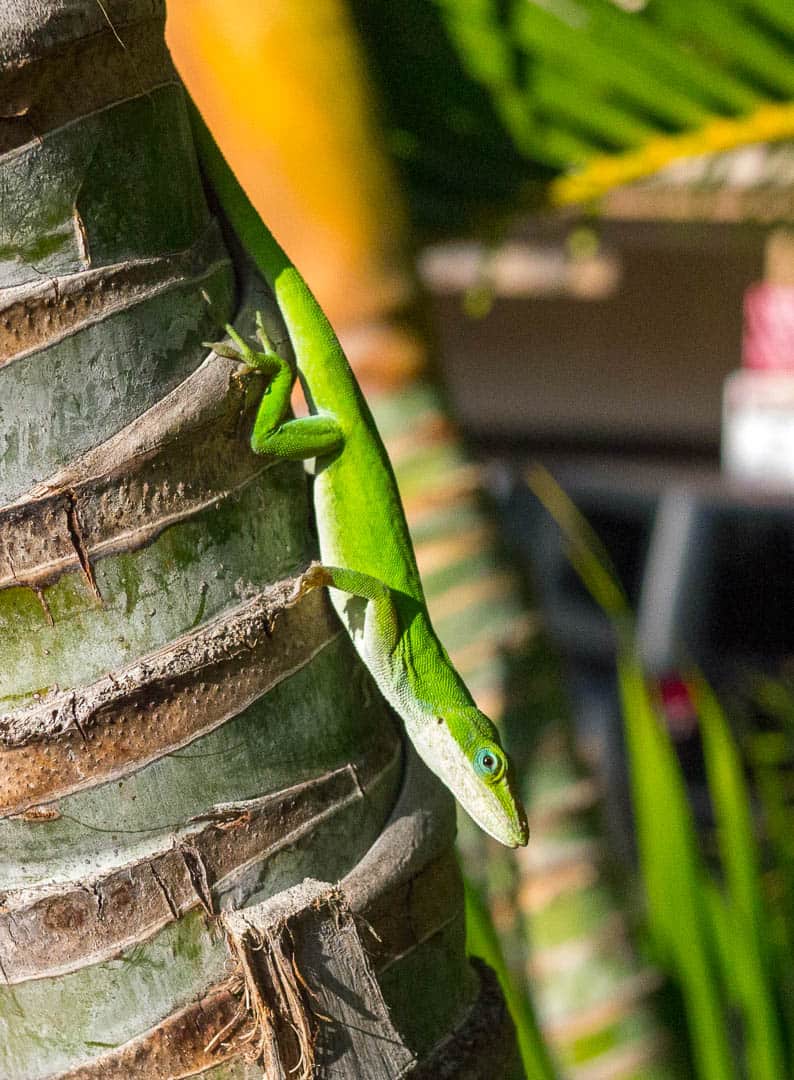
x=240 y=350
x=262 y=334
x=315 y=576
x=220 y=348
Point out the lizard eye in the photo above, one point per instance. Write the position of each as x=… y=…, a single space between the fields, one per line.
x=489 y=763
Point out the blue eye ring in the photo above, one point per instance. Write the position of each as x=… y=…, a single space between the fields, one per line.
x=489 y=763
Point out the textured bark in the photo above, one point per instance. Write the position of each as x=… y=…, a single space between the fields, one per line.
x=185 y=734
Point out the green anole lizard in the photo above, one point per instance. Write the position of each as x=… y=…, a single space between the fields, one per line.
x=368 y=561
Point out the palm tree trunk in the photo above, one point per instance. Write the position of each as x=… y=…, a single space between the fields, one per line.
x=202 y=865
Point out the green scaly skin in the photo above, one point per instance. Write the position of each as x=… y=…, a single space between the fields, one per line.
x=366 y=551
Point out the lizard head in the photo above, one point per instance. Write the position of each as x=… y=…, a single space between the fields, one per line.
x=496 y=808
x=467 y=755
x=492 y=766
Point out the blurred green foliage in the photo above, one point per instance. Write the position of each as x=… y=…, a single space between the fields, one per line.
x=486 y=101
x=722 y=929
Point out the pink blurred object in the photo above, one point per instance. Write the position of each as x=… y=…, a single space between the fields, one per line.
x=677 y=705
x=758 y=400
x=768 y=340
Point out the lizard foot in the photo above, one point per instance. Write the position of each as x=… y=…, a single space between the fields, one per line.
x=313 y=577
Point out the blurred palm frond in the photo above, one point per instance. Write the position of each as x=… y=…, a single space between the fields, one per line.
x=491 y=105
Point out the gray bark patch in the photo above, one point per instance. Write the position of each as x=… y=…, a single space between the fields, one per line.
x=311 y=989
x=80 y=738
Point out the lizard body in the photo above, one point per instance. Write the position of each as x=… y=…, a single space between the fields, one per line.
x=367 y=555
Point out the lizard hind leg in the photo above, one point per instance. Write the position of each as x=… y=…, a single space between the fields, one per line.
x=297 y=440
x=274 y=433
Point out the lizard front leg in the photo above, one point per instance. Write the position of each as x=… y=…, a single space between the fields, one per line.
x=381 y=614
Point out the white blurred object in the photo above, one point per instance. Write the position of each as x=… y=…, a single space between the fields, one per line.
x=758 y=400
x=758 y=427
